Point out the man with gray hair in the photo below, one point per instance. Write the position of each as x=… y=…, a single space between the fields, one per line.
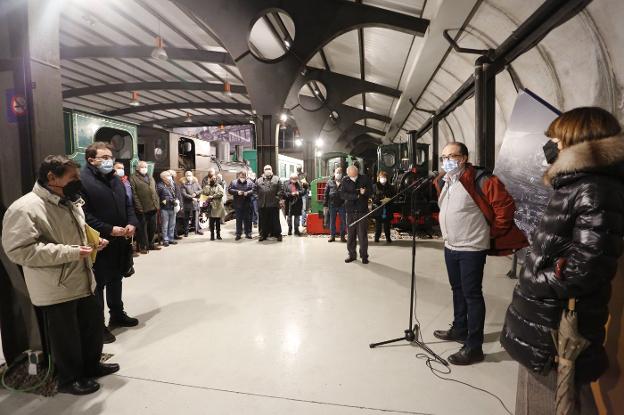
x=355 y=190
x=269 y=192
x=146 y=206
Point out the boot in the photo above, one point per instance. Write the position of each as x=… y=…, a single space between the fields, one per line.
x=212 y=238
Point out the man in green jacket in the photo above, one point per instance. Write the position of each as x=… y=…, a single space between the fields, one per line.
x=146 y=206
x=45 y=232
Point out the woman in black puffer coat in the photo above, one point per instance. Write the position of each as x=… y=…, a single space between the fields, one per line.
x=574 y=254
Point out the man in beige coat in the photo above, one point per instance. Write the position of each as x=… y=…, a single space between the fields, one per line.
x=44 y=232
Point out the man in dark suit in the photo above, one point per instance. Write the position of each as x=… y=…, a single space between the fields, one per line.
x=110 y=212
x=355 y=190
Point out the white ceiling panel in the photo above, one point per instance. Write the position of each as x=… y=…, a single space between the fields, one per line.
x=343 y=54
x=384 y=64
x=410 y=7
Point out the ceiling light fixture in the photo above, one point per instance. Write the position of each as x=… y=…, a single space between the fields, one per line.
x=319 y=142
x=298 y=142
x=188 y=118
x=227 y=88
x=135 y=99
x=283 y=117
x=159 y=51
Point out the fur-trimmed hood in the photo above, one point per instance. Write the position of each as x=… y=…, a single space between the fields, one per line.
x=589 y=156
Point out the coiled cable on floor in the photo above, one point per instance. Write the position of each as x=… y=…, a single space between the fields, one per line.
x=30 y=388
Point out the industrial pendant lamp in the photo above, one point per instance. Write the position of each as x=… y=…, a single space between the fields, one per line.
x=135 y=99
x=159 y=51
x=227 y=88
x=188 y=118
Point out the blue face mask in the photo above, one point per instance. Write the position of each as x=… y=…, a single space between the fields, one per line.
x=106 y=166
x=450 y=165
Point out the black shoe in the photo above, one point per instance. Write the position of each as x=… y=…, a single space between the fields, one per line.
x=343 y=239
x=108 y=337
x=452 y=335
x=177 y=237
x=122 y=320
x=364 y=260
x=350 y=259
x=165 y=244
x=388 y=241
x=332 y=239
x=199 y=233
x=238 y=238
x=248 y=236
x=173 y=243
x=289 y=233
x=80 y=387
x=376 y=240
x=279 y=238
x=154 y=248
x=219 y=237
x=262 y=238
x=105 y=369
x=297 y=233
x=186 y=234
x=466 y=356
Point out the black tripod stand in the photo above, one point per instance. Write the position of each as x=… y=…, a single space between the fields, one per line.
x=411 y=333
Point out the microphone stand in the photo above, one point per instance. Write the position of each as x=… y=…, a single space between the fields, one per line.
x=411 y=333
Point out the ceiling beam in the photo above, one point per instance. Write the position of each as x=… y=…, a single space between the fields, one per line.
x=201 y=120
x=179 y=106
x=151 y=86
x=144 y=52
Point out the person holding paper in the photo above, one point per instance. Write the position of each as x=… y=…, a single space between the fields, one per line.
x=45 y=232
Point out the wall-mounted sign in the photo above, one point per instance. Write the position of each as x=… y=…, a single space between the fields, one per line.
x=16 y=105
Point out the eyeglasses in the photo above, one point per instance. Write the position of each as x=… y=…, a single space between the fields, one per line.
x=450 y=156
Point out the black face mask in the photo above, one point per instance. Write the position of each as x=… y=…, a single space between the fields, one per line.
x=72 y=190
x=551 y=151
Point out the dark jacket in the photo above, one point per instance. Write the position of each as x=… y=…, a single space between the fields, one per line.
x=497 y=206
x=188 y=192
x=167 y=195
x=355 y=202
x=269 y=192
x=294 y=203
x=581 y=230
x=380 y=192
x=241 y=201
x=332 y=197
x=106 y=206
x=144 y=193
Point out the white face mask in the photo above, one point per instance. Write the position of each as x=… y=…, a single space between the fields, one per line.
x=353 y=178
x=143 y=170
x=338 y=176
x=268 y=173
x=189 y=178
x=120 y=172
x=383 y=180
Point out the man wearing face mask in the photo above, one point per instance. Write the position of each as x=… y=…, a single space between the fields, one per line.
x=146 y=207
x=269 y=193
x=335 y=206
x=476 y=219
x=242 y=191
x=191 y=191
x=108 y=210
x=355 y=190
x=44 y=232
x=293 y=198
x=382 y=193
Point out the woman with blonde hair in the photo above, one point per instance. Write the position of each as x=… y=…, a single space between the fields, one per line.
x=574 y=255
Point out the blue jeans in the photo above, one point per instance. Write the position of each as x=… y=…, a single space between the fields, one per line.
x=333 y=211
x=465 y=272
x=168 y=223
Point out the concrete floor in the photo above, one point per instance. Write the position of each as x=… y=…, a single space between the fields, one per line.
x=283 y=328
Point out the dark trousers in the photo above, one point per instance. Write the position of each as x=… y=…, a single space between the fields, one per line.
x=243 y=220
x=74 y=333
x=147 y=229
x=113 y=297
x=465 y=272
x=357 y=233
x=379 y=223
x=269 y=222
x=215 y=224
x=191 y=214
x=293 y=221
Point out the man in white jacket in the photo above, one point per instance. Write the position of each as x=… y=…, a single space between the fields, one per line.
x=44 y=232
